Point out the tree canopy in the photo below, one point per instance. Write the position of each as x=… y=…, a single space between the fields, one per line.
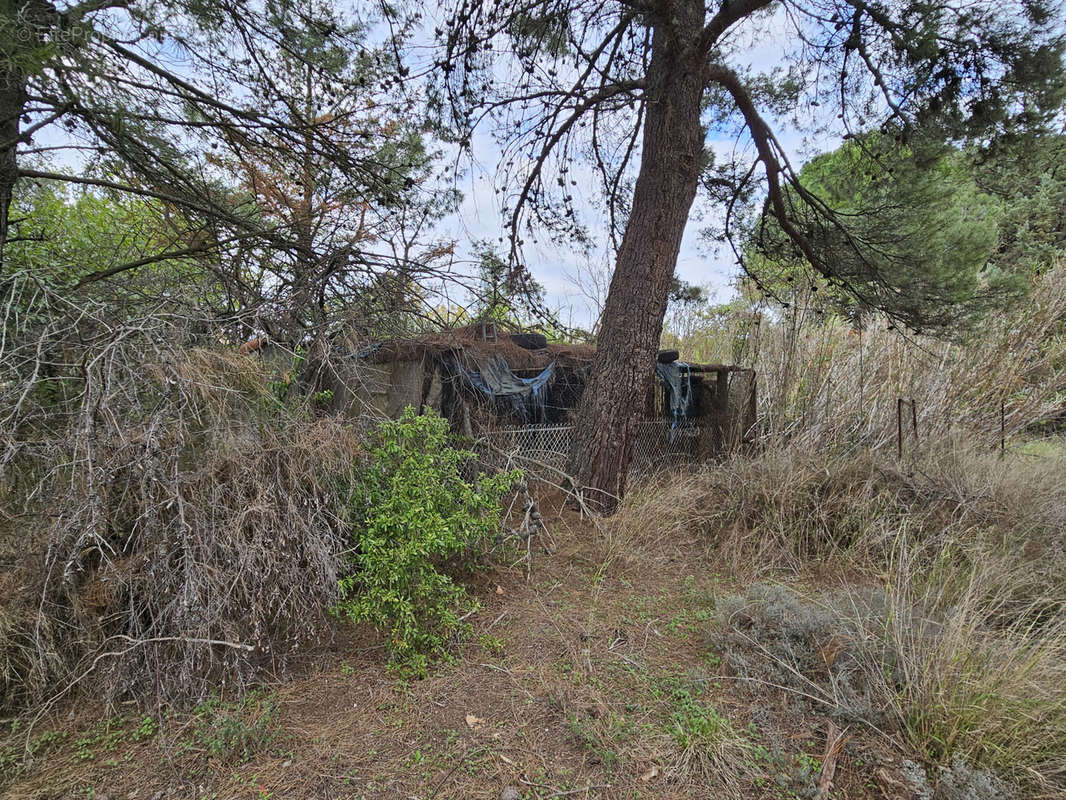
x=271 y=135
x=1028 y=177
x=914 y=237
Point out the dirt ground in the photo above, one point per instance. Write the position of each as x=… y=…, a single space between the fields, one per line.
x=580 y=667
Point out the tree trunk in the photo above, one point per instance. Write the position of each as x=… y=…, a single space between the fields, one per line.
x=612 y=403
x=12 y=104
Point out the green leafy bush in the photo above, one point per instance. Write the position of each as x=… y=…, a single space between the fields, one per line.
x=413 y=516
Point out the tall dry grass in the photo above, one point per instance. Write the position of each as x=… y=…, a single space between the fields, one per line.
x=823 y=383
x=969 y=671
x=934 y=599
x=795 y=511
x=917 y=665
x=934 y=607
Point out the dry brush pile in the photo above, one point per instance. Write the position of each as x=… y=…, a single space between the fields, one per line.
x=169 y=523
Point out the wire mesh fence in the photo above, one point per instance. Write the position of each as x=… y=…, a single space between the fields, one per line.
x=658 y=445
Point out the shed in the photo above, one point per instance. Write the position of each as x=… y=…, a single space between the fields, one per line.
x=483 y=379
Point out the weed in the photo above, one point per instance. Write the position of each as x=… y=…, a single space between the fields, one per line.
x=84 y=747
x=967 y=682
x=146 y=729
x=491 y=644
x=592 y=740
x=9 y=764
x=710 y=749
x=237 y=730
x=46 y=741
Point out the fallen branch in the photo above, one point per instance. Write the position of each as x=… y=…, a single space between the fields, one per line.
x=834 y=746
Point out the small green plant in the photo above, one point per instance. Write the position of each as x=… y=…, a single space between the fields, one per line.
x=413 y=516
x=146 y=730
x=492 y=645
x=239 y=729
x=709 y=747
x=84 y=747
x=46 y=741
x=593 y=740
x=9 y=763
x=694 y=724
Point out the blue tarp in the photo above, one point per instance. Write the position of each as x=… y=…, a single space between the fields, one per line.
x=677 y=376
x=522 y=396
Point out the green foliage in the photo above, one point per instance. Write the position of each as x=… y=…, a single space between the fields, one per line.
x=147 y=728
x=907 y=232
x=686 y=294
x=541 y=32
x=412 y=516
x=239 y=729
x=696 y=725
x=501 y=293
x=709 y=748
x=1028 y=178
x=64 y=234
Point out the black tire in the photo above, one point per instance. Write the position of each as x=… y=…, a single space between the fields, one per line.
x=667 y=356
x=530 y=341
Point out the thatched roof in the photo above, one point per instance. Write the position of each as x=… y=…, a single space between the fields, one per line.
x=468 y=343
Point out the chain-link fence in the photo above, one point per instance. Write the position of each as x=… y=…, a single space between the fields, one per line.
x=658 y=444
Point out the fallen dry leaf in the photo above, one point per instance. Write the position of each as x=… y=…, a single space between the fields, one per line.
x=499 y=590
x=473 y=722
x=653 y=772
x=505 y=759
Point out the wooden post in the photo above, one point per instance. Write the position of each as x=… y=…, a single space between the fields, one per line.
x=721 y=409
x=899 y=428
x=914 y=419
x=750 y=418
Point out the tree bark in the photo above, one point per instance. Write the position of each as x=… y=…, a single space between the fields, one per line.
x=26 y=22
x=612 y=403
x=12 y=104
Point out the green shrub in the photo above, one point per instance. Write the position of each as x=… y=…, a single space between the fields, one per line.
x=413 y=516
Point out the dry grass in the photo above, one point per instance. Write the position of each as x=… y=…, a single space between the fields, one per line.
x=915 y=660
x=974 y=674
x=710 y=750
x=792 y=511
x=567 y=686
x=821 y=383
x=942 y=620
